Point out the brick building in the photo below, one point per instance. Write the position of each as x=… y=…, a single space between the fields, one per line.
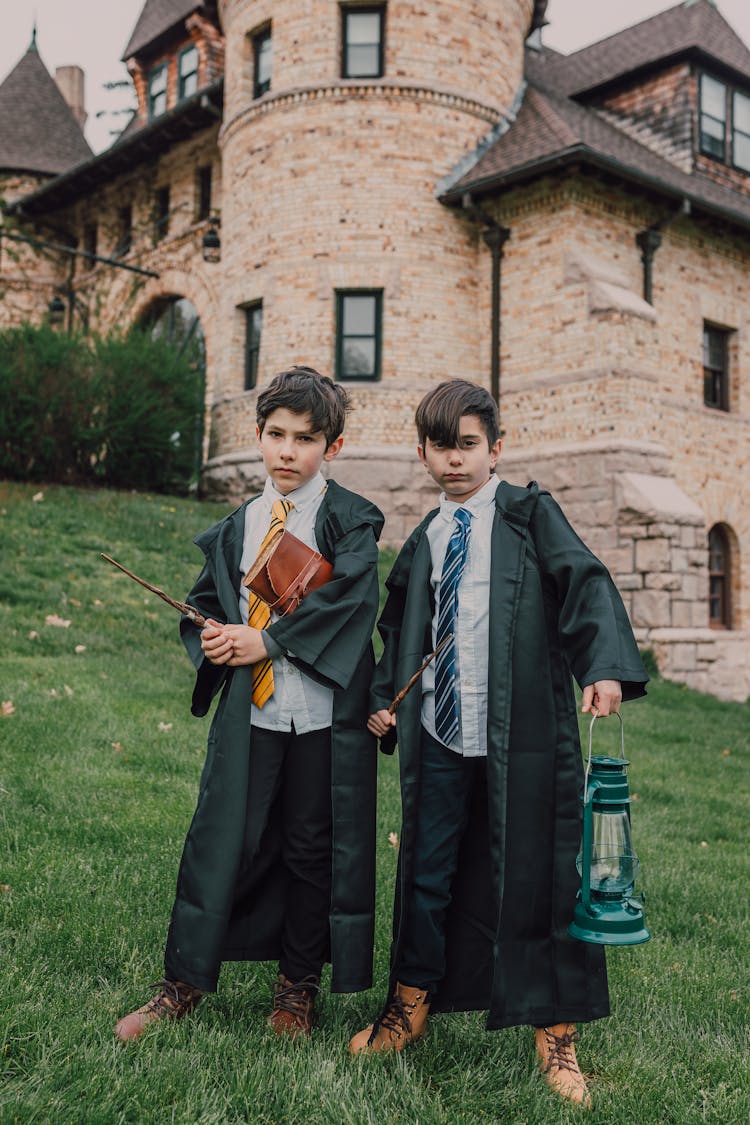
x=409 y=191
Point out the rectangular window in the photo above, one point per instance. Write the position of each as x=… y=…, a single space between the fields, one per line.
x=713 y=117
x=262 y=53
x=741 y=131
x=716 y=367
x=203 y=193
x=89 y=244
x=187 y=73
x=253 y=328
x=124 y=231
x=362 y=42
x=157 y=91
x=161 y=213
x=358 y=334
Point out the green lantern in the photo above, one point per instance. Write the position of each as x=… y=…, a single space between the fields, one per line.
x=607 y=911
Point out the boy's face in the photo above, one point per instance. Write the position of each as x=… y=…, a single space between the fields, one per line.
x=463 y=470
x=292 y=451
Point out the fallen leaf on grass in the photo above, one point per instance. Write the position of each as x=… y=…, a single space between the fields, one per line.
x=68 y=690
x=7 y=708
x=725 y=753
x=37 y=497
x=33 y=635
x=97 y=601
x=704 y=843
x=393 y=839
x=117 y=746
x=733 y=992
x=74 y=601
x=4 y=887
x=151 y=616
x=53 y=619
x=80 y=648
x=165 y=726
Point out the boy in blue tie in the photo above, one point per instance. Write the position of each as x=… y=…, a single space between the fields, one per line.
x=489 y=753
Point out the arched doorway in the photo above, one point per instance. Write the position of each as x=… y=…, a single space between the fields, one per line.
x=175 y=320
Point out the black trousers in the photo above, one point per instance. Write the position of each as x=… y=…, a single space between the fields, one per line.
x=445 y=787
x=289 y=797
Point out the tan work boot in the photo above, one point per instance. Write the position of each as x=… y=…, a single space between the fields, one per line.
x=292 y=1013
x=403 y=1020
x=560 y=1068
x=173 y=1001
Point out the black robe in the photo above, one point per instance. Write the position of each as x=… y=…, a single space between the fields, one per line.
x=330 y=636
x=553 y=609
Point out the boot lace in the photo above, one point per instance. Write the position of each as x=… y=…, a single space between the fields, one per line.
x=396 y=1017
x=173 y=998
x=561 y=1052
x=295 y=997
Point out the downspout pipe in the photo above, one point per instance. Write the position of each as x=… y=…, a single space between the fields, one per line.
x=494 y=237
x=648 y=242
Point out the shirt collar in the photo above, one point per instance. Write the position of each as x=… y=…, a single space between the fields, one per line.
x=301 y=497
x=475 y=504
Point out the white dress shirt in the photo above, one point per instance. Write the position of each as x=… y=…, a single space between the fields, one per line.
x=472 y=637
x=296 y=698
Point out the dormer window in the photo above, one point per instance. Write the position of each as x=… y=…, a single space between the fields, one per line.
x=187 y=73
x=157 y=91
x=724 y=123
x=362 y=41
x=741 y=131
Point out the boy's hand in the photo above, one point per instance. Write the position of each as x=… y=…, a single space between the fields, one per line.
x=232 y=644
x=602 y=698
x=381 y=722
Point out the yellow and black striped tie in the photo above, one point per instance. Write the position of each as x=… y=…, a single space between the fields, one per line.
x=258 y=613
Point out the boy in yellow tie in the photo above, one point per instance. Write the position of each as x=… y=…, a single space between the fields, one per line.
x=290 y=768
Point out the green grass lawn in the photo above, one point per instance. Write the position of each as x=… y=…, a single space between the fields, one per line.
x=99 y=766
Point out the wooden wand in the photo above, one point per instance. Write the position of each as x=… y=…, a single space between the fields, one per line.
x=405 y=690
x=192 y=614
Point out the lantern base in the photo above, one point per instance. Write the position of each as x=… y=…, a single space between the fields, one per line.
x=612 y=924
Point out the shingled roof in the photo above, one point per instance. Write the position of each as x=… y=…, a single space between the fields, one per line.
x=695 y=27
x=38 y=130
x=551 y=131
x=156 y=19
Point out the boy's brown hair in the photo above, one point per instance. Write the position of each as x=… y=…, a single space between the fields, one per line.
x=303 y=390
x=440 y=412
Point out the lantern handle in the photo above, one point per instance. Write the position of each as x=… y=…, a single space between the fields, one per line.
x=591 y=740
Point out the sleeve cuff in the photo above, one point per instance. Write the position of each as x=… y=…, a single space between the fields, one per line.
x=273 y=648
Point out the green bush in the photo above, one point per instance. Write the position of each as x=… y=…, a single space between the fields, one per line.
x=123 y=411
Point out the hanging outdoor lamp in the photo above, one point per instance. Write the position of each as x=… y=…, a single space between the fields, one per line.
x=607 y=911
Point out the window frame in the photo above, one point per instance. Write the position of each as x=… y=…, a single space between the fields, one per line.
x=162 y=68
x=124 y=231
x=722 y=593
x=718 y=375
x=181 y=78
x=253 y=340
x=348 y=10
x=735 y=131
x=259 y=37
x=203 y=197
x=161 y=213
x=377 y=336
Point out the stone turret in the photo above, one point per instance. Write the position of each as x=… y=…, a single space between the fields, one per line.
x=330 y=185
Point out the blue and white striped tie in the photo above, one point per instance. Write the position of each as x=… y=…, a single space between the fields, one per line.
x=446 y=700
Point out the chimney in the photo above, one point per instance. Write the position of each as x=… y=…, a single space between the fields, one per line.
x=70 y=82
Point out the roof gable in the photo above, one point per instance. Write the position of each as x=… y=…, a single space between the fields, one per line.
x=695 y=26
x=156 y=19
x=551 y=131
x=38 y=131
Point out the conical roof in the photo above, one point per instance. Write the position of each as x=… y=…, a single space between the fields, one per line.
x=38 y=131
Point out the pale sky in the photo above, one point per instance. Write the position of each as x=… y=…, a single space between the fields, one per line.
x=94 y=33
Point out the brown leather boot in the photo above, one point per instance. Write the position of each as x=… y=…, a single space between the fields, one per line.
x=173 y=1001
x=292 y=1013
x=560 y=1068
x=403 y=1020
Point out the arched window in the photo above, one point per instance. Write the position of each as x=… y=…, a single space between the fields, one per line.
x=719 y=578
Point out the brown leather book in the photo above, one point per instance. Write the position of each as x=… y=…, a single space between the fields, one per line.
x=285 y=572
